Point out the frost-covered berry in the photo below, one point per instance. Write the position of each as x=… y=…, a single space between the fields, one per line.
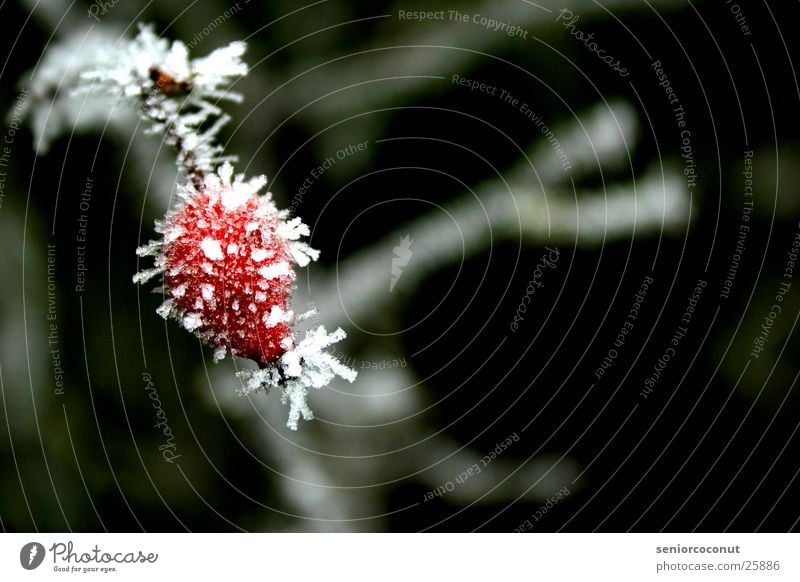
x=228 y=259
x=228 y=255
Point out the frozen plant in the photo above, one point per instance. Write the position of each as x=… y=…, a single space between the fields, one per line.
x=176 y=96
x=227 y=255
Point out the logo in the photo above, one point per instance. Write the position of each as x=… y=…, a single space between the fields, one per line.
x=402 y=255
x=31 y=555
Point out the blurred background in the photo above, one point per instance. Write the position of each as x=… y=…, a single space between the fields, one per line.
x=558 y=234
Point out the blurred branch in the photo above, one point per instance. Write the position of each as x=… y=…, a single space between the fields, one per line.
x=54 y=14
x=654 y=203
x=410 y=54
x=515 y=209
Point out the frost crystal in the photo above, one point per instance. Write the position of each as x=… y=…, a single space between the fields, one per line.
x=211 y=249
x=301 y=367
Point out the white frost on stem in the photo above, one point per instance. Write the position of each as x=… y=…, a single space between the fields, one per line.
x=177 y=95
x=52 y=108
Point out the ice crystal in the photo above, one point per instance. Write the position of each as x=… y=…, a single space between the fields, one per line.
x=177 y=95
x=302 y=366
